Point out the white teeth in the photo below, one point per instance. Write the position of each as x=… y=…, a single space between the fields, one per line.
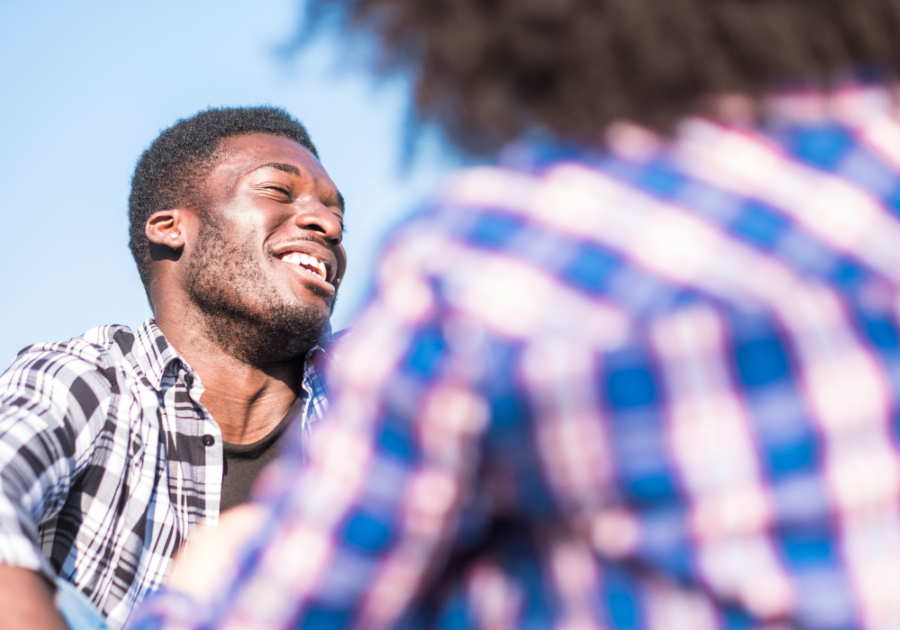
x=310 y=264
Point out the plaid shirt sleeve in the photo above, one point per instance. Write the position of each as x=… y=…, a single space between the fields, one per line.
x=53 y=403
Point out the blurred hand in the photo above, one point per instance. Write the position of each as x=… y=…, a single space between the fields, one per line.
x=26 y=601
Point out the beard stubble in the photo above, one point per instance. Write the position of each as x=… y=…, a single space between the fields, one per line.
x=243 y=312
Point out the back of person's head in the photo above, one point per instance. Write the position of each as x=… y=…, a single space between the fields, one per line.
x=170 y=173
x=489 y=70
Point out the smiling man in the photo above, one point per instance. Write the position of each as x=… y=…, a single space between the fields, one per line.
x=116 y=445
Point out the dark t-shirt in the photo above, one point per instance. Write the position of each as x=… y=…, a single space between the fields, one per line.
x=244 y=462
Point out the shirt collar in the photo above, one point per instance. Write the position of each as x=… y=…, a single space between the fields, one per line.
x=852 y=103
x=153 y=353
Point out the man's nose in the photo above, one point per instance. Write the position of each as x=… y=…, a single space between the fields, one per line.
x=319 y=218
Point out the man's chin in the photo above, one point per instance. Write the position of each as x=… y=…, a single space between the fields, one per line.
x=272 y=334
x=314 y=297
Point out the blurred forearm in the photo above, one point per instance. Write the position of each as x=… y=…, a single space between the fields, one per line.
x=26 y=601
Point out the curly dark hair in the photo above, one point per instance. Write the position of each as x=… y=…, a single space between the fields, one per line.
x=170 y=172
x=490 y=70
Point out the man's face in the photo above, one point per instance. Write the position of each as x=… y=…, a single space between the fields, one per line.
x=268 y=257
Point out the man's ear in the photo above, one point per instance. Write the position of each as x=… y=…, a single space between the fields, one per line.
x=165 y=228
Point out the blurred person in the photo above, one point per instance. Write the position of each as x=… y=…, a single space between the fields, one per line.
x=116 y=445
x=642 y=373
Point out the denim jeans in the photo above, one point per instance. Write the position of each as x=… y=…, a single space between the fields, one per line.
x=77 y=609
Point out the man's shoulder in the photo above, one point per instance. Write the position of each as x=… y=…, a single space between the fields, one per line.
x=92 y=356
x=99 y=346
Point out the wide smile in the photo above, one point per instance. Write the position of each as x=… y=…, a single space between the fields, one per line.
x=321 y=272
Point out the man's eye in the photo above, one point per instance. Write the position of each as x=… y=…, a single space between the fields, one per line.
x=280 y=189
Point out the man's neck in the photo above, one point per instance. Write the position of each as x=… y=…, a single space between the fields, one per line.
x=246 y=401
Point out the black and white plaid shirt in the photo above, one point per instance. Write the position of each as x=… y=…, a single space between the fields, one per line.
x=108 y=460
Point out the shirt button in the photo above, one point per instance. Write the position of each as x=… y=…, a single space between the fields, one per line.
x=208 y=440
x=188 y=380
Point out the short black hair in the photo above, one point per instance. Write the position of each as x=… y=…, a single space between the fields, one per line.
x=492 y=70
x=170 y=172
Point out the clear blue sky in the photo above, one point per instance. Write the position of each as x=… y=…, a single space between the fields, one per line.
x=86 y=86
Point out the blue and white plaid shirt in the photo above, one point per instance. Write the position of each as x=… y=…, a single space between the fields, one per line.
x=108 y=460
x=655 y=387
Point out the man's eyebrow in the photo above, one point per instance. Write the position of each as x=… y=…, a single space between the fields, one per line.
x=287 y=168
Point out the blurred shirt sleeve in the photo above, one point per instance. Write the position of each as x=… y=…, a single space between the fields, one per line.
x=695 y=430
